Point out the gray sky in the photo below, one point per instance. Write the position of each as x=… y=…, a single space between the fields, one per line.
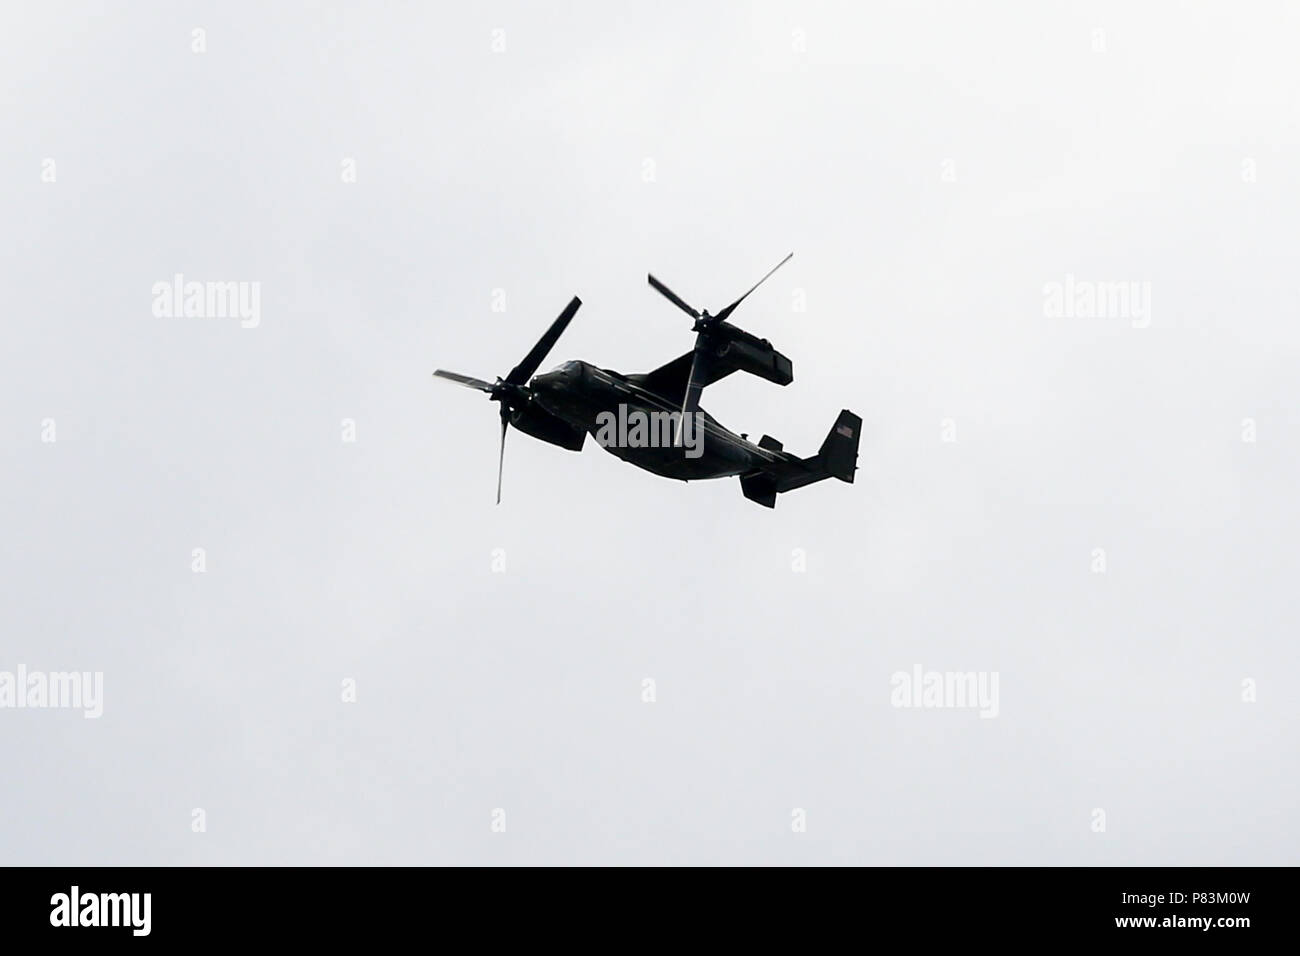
x=933 y=166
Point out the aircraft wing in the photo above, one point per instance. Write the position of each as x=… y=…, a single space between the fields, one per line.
x=669 y=381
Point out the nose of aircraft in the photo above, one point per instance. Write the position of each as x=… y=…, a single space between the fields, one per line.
x=548 y=383
x=557 y=380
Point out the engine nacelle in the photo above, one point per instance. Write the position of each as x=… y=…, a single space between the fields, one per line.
x=748 y=353
x=541 y=424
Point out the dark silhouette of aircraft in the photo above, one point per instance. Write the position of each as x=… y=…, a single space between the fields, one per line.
x=669 y=434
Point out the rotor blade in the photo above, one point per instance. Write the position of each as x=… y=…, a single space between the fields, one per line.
x=672 y=297
x=721 y=316
x=525 y=369
x=466 y=380
x=694 y=386
x=501 y=461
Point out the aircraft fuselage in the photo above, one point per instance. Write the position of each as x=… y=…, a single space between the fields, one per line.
x=588 y=399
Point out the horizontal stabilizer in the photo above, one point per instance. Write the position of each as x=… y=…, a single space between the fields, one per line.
x=837 y=458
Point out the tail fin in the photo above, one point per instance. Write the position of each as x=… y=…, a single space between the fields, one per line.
x=759 y=486
x=839 y=452
x=837 y=458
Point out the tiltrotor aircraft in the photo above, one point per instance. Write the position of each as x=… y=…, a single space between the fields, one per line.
x=669 y=434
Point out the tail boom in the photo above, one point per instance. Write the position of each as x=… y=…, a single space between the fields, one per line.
x=837 y=458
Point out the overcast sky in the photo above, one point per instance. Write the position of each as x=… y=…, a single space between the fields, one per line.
x=934 y=167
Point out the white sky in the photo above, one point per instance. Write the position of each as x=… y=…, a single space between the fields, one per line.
x=933 y=166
